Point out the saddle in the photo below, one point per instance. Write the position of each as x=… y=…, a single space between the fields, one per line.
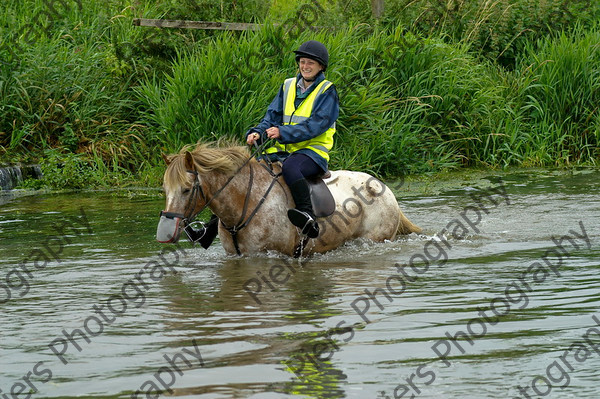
x=320 y=196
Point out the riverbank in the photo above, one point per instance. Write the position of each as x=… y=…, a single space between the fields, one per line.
x=96 y=100
x=407 y=187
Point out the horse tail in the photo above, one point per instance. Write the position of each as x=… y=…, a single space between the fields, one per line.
x=406 y=226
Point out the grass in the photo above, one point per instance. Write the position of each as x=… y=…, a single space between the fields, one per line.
x=93 y=93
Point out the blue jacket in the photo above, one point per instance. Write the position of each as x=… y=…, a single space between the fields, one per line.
x=325 y=112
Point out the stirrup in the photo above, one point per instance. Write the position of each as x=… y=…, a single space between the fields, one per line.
x=205 y=234
x=305 y=222
x=195 y=231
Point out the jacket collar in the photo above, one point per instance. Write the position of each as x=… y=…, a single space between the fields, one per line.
x=318 y=79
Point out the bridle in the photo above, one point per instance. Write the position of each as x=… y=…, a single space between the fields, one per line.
x=188 y=215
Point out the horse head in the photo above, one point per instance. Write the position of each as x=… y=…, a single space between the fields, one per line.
x=193 y=179
x=184 y=196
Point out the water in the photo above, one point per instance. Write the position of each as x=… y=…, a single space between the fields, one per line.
x=237 y=348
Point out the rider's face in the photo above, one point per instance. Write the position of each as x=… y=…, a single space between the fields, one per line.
x=309 y=68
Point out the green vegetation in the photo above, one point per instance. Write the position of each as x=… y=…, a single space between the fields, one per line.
x=434 y=85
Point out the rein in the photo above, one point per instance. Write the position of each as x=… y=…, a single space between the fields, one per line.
x=243 y=223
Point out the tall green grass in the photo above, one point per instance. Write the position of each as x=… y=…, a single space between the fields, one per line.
x=66 y=83
x=561 y=98
x=496 y=29
x=408 y=104
x=414 y=97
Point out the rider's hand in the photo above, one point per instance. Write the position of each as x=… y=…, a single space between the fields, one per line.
x=252 y=138
x=273 y=132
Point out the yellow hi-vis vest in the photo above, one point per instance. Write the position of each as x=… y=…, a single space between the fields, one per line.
x=291 y=116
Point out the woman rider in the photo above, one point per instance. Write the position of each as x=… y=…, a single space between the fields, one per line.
x=301 y=119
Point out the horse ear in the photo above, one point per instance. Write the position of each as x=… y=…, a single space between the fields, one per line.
x=189 y=161
x=167 y=160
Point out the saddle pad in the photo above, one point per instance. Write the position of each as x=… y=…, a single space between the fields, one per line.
x=322 y=200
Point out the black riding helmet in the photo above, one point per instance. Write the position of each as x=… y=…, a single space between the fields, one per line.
x=314 y=50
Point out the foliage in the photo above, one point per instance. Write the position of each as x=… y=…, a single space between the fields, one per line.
x=433 y=85
x=496 y=29
x=67 y=171
x=561 y=98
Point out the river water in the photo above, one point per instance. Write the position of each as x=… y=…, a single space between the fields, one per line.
x=93 y=307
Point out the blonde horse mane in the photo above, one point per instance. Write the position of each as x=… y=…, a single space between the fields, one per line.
x=222 y=156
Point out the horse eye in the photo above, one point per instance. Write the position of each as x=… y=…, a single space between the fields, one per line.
x=186 y=190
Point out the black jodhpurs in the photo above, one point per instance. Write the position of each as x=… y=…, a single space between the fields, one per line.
x=299 y=166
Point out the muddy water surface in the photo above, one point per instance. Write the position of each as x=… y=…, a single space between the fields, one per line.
x=500 y=291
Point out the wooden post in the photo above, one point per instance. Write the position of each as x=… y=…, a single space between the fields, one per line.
x=377 y=8
x=184 y=24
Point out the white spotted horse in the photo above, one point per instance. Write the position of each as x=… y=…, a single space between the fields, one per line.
x=251 y=200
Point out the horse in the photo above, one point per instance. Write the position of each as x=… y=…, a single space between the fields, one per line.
x=251 y=201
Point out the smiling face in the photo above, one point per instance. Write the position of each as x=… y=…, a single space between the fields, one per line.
x=309 y=68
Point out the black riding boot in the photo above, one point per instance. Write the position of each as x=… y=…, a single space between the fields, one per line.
x=205 y=236
x=303 y=216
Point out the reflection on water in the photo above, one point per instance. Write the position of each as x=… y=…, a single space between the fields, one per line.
x=268 y=327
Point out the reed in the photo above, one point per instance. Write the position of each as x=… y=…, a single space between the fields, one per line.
x=494 y=83
x=561 y=97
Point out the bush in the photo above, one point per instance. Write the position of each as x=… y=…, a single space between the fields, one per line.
x=560 y=93
x=68 y=171
x=424 y=89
